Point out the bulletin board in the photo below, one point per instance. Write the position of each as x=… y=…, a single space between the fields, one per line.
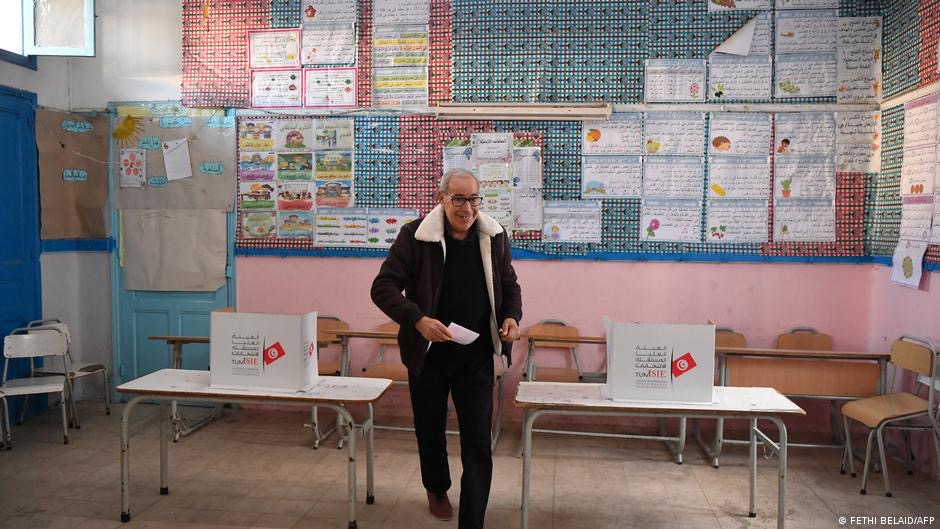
x=567 y=51
x=73 y=174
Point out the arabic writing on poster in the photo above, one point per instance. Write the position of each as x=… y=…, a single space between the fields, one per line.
x=739 y=177
x=804 y=220
x=918 y=171
x=736 y=221
x=804 y=176
x=400 y=46
x=401 y=12
x=805 y=133
x=621 y=134
x=328 y=11
x=805 y=75
x=806 y=31
x=738 y=5
x=920 y=121
x=671 y=220
x=674 y=133
x=400 y=88
x=611 y=177
x=743 y=133
x=733 y=77
x=273 y=48
x=328 y=44
x=571 y=221
x=673 y=176
x=916 y=217
x=276 y=88
x=674 y=80
x=330 y=87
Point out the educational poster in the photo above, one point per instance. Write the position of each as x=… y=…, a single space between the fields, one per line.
x=276 y=88
x=804 y=220
x=346 y=227
x=673 y=176
x=133 y=167
x=328 y=44
x=739 y=133
x=399 y=46
x=273 y=48
x=858 y=157
x=739 y=5
x=259 y=224
x=935 y=225
x=295 y=166
x=256 y=134
x=492 y=147
x=73 y=189
x=859 y=75
x=385 y=224
x=806 y=32
x=807 y=4
x=497 y=200
x=674 y=80
x=918 y=171
x=921 y=121
x=916 y=217
x=660 y=362
x=805 y=75
x=255 y=166
x=295 y=224
x=736 y=221
x=256 y=195
x=292 y=196
x=805 y=133
x=804 y=176
x=294 y=135
x=457 y=157
x=334 y=179
x=674 y=133
x=401 y=12
x=526 y=209
x=331 y=87
x=671 y=220
x=611 y=177
x=859 y=60
x=907 y=265
x=621 y=134
x=328 y=11
x=333 y=134
x=732 y=77
x=739 y=177
x=858 y=142
x=398 y=88
x=753 y=38
x=526 y=204
x=571 y=221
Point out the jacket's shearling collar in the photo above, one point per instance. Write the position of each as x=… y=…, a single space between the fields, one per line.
x=431 y=228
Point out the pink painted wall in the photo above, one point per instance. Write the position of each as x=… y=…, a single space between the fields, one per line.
x=758 y=300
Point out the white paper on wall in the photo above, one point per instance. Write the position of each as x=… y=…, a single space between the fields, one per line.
x=668 y=133
x=671 y=220
x=731 y=77
x=571 y=221
x=621 y=134
x=739 y=133
x=908 y=263
x=736 y=221
x=805 y=133
x=804 y=220
x=739 y=177
x=611 y=177
x=673 y=176
x=674 y=80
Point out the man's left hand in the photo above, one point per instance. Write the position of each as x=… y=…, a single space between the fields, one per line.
x=509 y=332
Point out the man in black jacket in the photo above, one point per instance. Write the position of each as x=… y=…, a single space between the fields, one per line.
x=452 y=266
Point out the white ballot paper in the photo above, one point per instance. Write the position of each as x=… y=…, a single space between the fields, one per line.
x=462 y=335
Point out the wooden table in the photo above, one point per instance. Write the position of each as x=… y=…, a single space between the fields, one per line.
x=675 y=444
x=331 y=392
x=753 y=404
x=814 y=374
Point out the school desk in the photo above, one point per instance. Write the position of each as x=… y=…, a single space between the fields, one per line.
x=753 y=404
x=827 y=375
x=331 y=392
x=675 y=444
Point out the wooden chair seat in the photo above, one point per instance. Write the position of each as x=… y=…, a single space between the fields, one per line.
x=557 y=374
x=328 y=368
x=875 y=410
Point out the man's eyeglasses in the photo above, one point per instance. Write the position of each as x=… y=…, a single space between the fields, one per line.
x=459 y=201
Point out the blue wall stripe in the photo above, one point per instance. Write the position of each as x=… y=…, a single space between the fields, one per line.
x=77 y=245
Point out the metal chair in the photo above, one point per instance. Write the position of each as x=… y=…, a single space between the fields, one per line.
x=78 y=369
x=22 y=343
x=379 y=367
x=338 y=367
x=897 y=410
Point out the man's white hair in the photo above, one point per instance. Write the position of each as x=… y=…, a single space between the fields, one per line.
x=455 y=173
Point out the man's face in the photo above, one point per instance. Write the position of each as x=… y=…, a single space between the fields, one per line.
x=462 y=217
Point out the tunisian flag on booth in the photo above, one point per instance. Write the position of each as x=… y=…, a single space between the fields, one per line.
x=273 y=352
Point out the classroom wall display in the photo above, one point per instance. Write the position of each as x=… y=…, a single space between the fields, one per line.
x=73 y=174
x=210 y=142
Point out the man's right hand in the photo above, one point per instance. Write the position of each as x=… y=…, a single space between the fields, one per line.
x=433 y=330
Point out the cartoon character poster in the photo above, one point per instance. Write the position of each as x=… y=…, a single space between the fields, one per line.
x=256 y=135
x=295 y=166
x=256 y=166
x=294 y=135
x=256 y=195
x=295 y=224
x=259 y=225
x=295 y=196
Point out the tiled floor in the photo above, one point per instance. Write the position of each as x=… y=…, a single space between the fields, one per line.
x=256 y=468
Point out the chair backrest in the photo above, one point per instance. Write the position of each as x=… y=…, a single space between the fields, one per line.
x=726 y=337
x=389 y=326
x=554 y=328
x=913 y=354
x=804 y=338
x=35 y=344
x=326 y=324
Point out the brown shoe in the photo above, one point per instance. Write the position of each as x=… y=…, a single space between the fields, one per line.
x=439 y=505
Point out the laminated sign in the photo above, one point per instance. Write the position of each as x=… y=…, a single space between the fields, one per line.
x=660 y=362
x=263 y=351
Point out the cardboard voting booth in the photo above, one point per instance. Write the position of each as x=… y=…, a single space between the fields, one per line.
x=264 y=351
x=660 y=362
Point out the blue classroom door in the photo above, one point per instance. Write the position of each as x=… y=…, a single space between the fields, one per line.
x=138 y=314
x=19 y=246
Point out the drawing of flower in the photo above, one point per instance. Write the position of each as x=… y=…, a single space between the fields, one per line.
x=694 y=89
x=651 y=229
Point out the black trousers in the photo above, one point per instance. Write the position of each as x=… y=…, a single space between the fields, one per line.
x=467 y=374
